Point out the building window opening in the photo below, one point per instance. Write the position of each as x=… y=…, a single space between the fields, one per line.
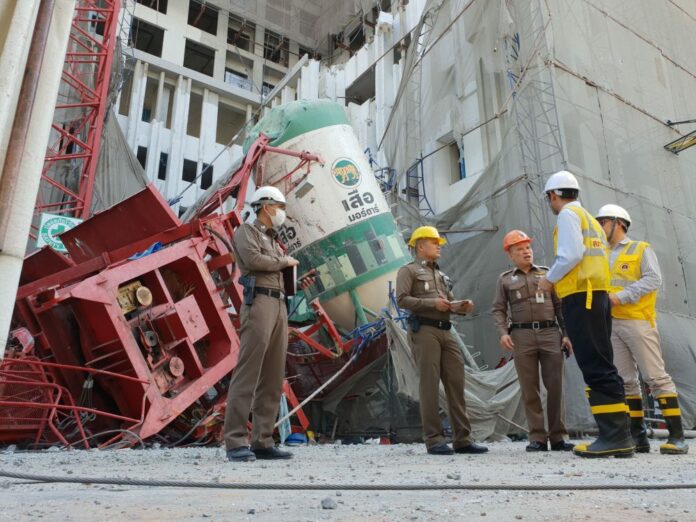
x=309 y=52
x=146 y=37
x=457 y=164
x=276 y=48
x=206 y=176
x=230 y=120
x=188 y=172
x=157 y=5
x=150 y=100
x=203 y=16
x=142 y=156
x=240 y=33
x=199 y=57
x=195 y=113
x=162 y=168
x=237 y=78
x=266 y=88
x=356 y=39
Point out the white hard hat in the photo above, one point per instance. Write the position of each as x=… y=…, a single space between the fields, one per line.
x=613 y=211
x=267 y=194
x=562 y=180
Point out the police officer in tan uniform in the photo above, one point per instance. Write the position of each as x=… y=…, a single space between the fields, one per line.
x=424 y=290
x=532 y=330
x=258 y=377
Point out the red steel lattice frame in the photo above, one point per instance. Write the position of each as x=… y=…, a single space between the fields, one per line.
x=84 y=87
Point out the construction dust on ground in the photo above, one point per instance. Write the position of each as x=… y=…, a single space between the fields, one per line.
x=341 y=466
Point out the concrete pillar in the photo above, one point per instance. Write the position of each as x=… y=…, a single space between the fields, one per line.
x=287 y=95
x=259 y=37
x=16 y=23
x=206 y=143
x=174 y=43
x=257 y=66
x=334 y=84
x=294 y=48
x=153 y=151
x=384 y=82
x=162 y=100
x=14 y=46
x=310 y=81
x=221 y=47
x=180 y=109
x=137 y=101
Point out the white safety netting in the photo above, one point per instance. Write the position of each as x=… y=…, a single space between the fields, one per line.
x=565 y=84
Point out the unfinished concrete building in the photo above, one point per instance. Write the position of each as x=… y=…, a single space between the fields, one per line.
x=464 y=108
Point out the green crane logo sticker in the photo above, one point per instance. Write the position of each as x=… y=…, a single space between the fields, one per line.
x=346 y=173
x=51 y=227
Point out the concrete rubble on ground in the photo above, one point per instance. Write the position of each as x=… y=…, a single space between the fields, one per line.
x=507 y=463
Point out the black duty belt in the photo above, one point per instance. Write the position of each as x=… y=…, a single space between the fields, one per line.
x=270 y=292
x=442 y=325
x=536 y=325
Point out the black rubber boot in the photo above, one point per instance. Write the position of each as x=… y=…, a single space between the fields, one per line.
x=639 y=431
x=675 y=445
x=614 y=429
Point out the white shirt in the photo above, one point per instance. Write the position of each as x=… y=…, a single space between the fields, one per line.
x=570 y=247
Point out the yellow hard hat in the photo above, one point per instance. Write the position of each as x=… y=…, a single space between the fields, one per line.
x=425 y=233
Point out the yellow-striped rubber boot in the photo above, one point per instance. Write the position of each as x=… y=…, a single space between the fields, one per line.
x=639 y=432
x=675 y=445
x=614 y=429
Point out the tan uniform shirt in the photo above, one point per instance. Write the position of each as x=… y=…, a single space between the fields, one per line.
x=419 y=284
x=258 y=254
x=519 y=291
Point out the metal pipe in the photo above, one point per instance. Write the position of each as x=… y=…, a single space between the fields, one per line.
x=657 y=433
x=25 y=106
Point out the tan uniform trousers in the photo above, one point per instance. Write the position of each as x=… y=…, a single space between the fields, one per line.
x=257 y=379
x=437 y=357
x=536 y=349
x=637 y=348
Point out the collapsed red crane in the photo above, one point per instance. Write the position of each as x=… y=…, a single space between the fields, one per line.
x=134 y=331
x=80 y=110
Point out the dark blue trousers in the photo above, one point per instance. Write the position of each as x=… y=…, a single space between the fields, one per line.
x=590 y=333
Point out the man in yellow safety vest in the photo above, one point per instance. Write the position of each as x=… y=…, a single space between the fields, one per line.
x=635 y=278
x=580 y=275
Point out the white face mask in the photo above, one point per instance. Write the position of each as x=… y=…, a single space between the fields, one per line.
x=278 y=218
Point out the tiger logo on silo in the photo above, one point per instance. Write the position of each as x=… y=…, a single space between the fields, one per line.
x=345 y=172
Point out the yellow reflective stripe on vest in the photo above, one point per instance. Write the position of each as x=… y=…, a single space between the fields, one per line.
x=671 y=412
x=618 y=407
x=592 y=272
x=625 y=271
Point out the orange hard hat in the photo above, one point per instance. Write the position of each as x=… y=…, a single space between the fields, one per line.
x=514 y=237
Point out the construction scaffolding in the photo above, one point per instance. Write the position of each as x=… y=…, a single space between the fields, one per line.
x=550 y=96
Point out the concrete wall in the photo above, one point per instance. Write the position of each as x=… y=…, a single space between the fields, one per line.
x=187 y=115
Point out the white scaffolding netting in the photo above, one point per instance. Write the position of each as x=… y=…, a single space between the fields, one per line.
x=562 y=83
